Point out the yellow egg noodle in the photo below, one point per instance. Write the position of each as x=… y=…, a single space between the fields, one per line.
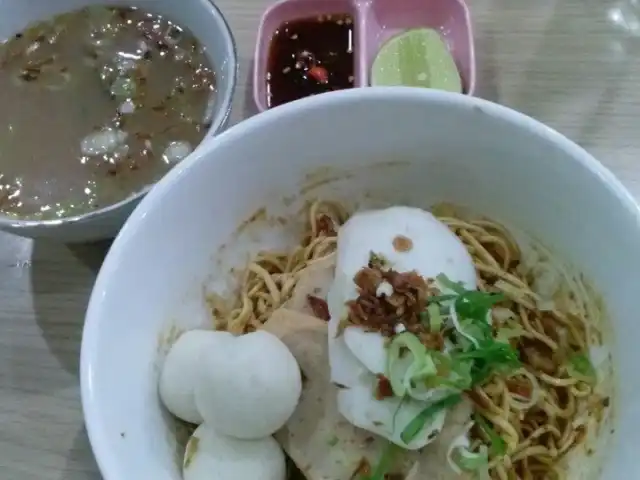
x=538 y=413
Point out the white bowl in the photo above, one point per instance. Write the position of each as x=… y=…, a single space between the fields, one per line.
x=208 y=25
x=398 y=145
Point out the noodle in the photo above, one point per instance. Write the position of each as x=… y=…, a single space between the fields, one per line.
x=538 y=411
x=270 y=279
x=539 y=436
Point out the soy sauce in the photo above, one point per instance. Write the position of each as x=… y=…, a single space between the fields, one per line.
x=310 y=56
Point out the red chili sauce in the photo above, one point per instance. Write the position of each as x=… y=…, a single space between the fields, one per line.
x=310 y=56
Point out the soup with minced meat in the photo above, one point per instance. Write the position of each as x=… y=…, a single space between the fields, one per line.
x=97 y=104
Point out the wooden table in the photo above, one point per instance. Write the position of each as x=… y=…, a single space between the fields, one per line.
x=573 y=64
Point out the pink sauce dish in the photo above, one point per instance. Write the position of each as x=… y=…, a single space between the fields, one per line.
x=308 y=47
x=305 y=47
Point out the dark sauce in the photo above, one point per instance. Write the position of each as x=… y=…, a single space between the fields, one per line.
x=310 y=56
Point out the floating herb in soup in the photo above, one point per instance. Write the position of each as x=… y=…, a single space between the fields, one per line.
x=97 y=104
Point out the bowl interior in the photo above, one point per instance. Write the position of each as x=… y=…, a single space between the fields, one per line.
x=207 y=24
x=368 y=146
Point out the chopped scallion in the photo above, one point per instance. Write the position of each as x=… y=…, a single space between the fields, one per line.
x=440 y=298
x=473 y=334
x=401 y=373
x=416 y=425
x=498 y=445
x=435 y=318
x=490 y=357
x=580 y=368
x=395 y=414
x=455 y=287
x=451 y=373
x=507 y=333
x=384 y=464
x=469 y=461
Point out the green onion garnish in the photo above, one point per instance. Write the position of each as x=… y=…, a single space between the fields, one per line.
x=498 y=445
x=400 y=374
x=479 y=331
x=456 y=287
x=440 y=298
x=476 y=305
x=580 y=368
x=507 y=333
x=474 y=356
x=490 y=357
x=452 y=373
x=435 y=318
x=417 y=424
x=469 y=461
x=474 y=335
x=384 y=464
x=395 y=414
x=470 y=304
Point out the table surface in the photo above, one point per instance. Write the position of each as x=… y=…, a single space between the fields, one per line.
x=573 y=64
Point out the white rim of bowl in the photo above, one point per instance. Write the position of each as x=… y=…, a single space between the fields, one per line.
x=217 y=125
x=105 y=457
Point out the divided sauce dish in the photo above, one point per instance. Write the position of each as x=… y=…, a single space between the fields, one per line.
x=374 y=23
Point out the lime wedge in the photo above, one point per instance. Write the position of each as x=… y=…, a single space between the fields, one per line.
x=416 y=58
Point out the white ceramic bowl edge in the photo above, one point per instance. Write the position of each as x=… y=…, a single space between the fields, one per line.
x=398 y=145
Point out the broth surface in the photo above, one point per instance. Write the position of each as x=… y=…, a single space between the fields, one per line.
x=97 y=104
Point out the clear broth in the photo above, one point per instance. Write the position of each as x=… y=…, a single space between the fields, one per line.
x=137 y=77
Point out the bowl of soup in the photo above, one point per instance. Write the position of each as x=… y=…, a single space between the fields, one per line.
x=100 y=100
x=374 y=283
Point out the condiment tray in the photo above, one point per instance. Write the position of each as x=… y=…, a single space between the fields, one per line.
x=375 y=22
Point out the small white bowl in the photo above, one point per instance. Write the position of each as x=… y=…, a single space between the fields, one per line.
x=398 y=145
x=208 y=25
